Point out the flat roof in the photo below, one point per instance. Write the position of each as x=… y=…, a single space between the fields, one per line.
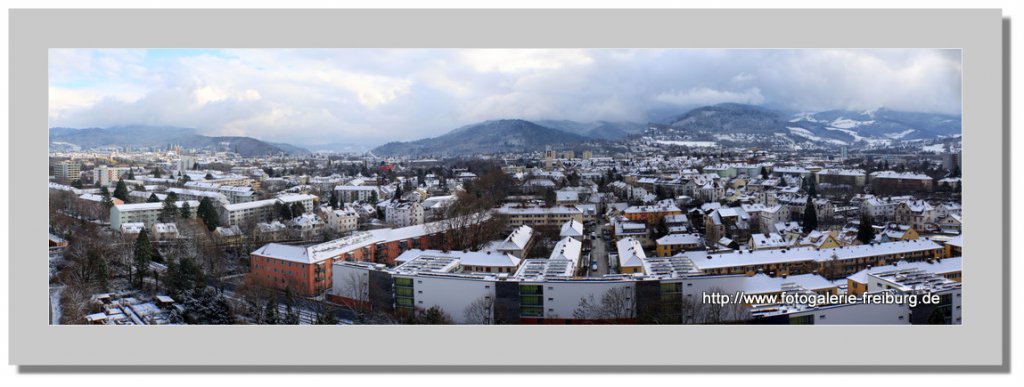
x=705 y=261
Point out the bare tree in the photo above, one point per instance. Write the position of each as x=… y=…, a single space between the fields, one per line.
x=695 y=311
x=616 y=304
x=355 y=290
x=480 y=311
x=76 y=300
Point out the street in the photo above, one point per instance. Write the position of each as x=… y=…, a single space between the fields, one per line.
x=599 y=252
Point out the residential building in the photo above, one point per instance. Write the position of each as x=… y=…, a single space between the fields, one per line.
x=145 y=213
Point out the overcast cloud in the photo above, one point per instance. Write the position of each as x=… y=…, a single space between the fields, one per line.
x=372 y=96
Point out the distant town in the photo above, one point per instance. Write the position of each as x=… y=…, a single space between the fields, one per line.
x=638 y=231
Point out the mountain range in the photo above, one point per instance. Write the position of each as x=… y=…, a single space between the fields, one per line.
x=140 y=136
x=498 y=136
x=731 y=123
x=726 y=123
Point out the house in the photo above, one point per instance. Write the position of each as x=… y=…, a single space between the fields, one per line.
x=305 y=226
x=341 y=220
x=404 y=213
x=954 y=247
x=918 y=214
x=572 y=229
x=163 y=231
x=819 y=240
x=770 y=241
x=673 y=244
x=951 y=223
x=232 y=234
x=630 y=256
x=897 y=232
x=518 y=242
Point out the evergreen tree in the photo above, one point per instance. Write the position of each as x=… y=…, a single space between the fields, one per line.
x=156 y=172
x=282 y=211
x=661 y=229
x=764 y=172
x=143 y=254
x=183 y=276
x=865 y=231
x=131 y=173
x=169 y=210
x=121 y=191
x=334 y=199
x=186 y=210
x=297 y=209
x=209 y=176
x=153 y=198
x=203 y=307
x=812 y=188
x=208 y=214
x=77 y=183
x=105 y=193
x=186 y=179
x=291 y=315
x=810 y=216
x=398 y=192
x=326 y=316
x=270 y=312
x=373 y=197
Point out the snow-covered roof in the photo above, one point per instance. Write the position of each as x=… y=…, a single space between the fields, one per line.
x=538 y=268
x=842 y=172
x=153 y=206
x=567 y=249
x=517 y=239
x=572 y=228
x=899 y=175
x=165 y=228
x=706 y=261
x=567 y=196
x=534 y=210
x=957 y=241
x=769 y=240
x=680 y=239
x=292 y=198
x=355 y=188
x=937 y=266
x=132 y=228
x=249 y=205
x=631 y=253
x=466 y=258
x=654 y=208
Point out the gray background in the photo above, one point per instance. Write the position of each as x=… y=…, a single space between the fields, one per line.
x=978 y=343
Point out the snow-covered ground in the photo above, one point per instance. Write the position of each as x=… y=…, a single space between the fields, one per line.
x=858 y=137
x=687 y=143
x=900 y=134
x=55 y=311
x=846 y=123
x=934 y=148
x=810 y=136
x=805 y=116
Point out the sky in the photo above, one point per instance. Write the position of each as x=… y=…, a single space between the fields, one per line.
x=368 y=97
